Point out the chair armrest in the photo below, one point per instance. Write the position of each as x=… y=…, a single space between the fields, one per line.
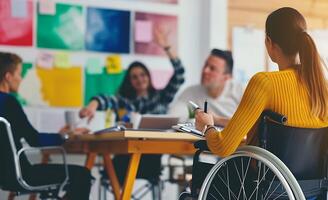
x=25 y=185
x=201 y=145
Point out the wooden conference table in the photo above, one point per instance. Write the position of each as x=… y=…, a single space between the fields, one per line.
x=130 y=142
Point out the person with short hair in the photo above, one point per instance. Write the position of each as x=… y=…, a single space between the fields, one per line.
x=35 y=174
x=217 y=88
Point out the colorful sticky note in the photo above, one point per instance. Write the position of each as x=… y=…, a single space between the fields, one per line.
x=94 y=66
x=45 y=60
x=47 y=7
x=113 y=64
x=19 y=8
x=143 y=31
x=62 y=60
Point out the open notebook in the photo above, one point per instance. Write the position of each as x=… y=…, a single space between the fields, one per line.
x=191 y=129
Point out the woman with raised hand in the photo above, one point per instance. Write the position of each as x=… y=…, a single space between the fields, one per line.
x=138 y=94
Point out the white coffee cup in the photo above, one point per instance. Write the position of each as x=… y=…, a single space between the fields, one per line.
x=71 y=118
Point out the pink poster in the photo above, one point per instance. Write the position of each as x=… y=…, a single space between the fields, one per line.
x=166 y=23
x=16 y=25
x=160 y=78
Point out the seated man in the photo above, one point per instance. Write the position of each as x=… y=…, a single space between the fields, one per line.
x=217 y=87
x=34 y=174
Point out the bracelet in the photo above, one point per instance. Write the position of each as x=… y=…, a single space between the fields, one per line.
x=208 y=127
x=167 y=48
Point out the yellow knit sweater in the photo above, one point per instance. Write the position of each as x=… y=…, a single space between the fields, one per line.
x=278 y=91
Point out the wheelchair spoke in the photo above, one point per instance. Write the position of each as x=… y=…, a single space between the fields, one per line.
x=229 y=190
x=236 y=178
x=228 y=183
x=256 y=189
x=269 y=186
x=240 y=181
x=215 y=197
x=280 y=195
x=274 y=190
x=242 y=186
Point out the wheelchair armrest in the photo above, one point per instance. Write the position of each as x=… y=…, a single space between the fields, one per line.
x=201 y=145
x=25 y=185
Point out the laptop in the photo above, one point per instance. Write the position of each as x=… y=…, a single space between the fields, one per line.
x=157 y=122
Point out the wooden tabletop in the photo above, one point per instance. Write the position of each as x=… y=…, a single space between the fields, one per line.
x=136 y=134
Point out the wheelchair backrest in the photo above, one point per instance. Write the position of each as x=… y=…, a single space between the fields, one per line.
x=303 y=150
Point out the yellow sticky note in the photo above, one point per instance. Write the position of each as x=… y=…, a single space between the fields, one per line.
x=113 y=64
x=62 y=60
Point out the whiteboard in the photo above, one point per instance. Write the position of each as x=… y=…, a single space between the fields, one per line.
x=248 y=52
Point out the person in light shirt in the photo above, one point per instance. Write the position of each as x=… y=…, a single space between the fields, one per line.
x=217 y=87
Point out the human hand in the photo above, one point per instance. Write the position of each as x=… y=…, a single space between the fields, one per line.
x=161 y=37
x=77 y=131
x=202 y=119
x=219 y=120
x=64 y=129
x=89 y=111
x=81 y=131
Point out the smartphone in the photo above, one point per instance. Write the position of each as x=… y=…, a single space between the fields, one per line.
x=194 y=105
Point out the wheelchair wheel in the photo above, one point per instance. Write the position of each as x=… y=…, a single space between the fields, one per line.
x=250 y=173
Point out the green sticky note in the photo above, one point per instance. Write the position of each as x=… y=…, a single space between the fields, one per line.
x=94 y=66
x=63 y=30
x=103 y=83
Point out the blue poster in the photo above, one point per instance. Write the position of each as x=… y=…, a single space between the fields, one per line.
x=108 y=30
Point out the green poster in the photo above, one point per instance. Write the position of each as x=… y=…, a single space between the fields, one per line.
x=63 y=30
x=103 y=83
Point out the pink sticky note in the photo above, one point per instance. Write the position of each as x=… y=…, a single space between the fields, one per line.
x=45 y=60
x=160 y=78
x=47 y=7
x=143 y=31
x=19 y=8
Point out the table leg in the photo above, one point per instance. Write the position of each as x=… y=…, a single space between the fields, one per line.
x=89 y=163
x=110 y=170
x=130 y=176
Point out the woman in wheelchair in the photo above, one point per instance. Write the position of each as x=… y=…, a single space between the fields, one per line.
x=79 y=182
x=298 y=90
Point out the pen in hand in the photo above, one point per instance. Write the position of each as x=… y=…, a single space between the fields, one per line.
x=205 y=106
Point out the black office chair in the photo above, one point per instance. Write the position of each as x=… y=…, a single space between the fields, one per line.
x=13 y=178
x=302 y=150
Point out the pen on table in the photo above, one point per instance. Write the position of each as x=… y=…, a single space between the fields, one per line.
x=205 y=106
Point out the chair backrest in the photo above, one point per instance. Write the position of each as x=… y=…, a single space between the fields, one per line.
x=303 y=150
x=10 y=146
